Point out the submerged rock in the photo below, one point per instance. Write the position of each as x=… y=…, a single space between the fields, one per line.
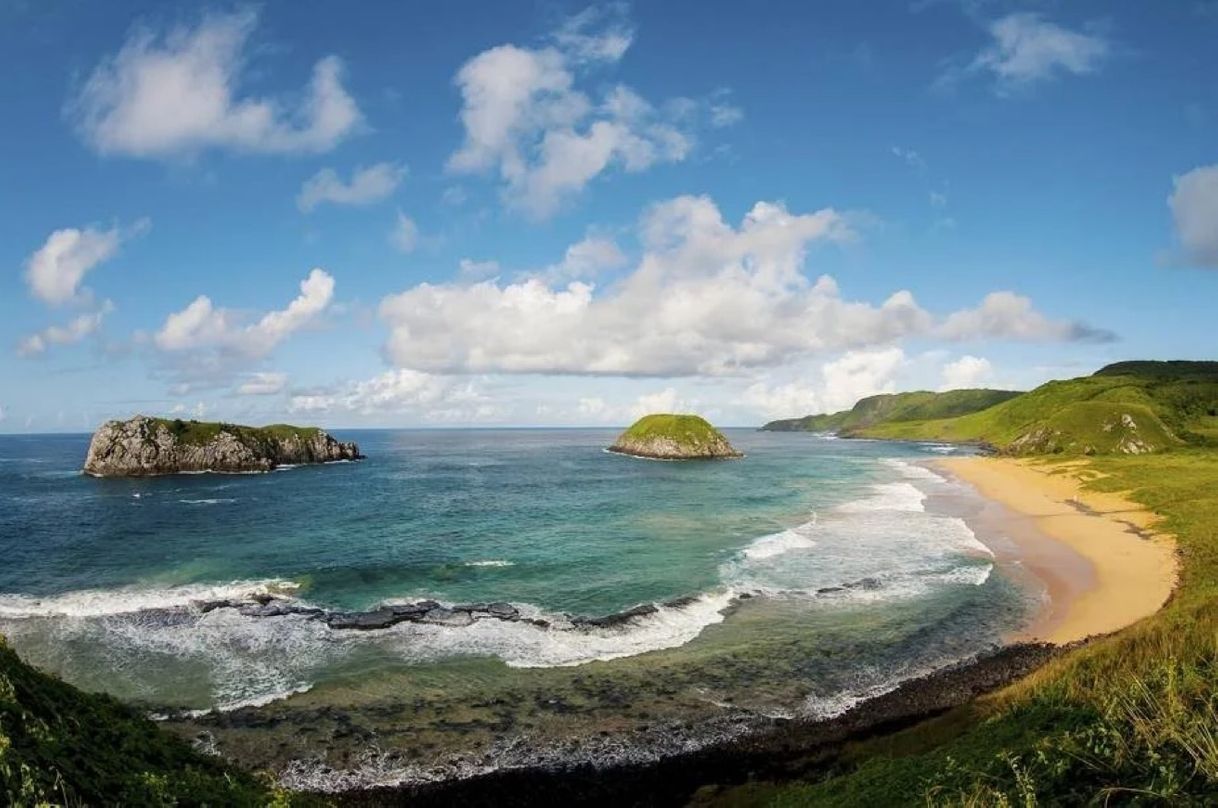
x=143 y=446
x=612 y=620
x=663 y=436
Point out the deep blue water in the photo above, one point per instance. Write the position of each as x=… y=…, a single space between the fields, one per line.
x=99 y=575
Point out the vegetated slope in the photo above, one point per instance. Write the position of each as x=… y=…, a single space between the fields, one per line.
x=1126 y=408
x=61 y=746
x=1129 y=719
x=669 y=436
x=921 y=405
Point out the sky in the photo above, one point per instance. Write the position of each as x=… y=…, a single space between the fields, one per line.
x=560 y=214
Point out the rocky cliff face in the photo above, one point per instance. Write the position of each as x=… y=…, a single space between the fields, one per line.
x=674 y=437
x=144 y=446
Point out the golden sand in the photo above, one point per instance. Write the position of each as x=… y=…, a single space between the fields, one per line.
x=1097 y=554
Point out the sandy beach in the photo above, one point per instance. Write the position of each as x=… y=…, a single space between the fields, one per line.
x=1098 y=556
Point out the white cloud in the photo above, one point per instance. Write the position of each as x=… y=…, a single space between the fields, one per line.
x=666 y=401
x=405 y=233
x=263 y=384
x=859 y=374
x=843 y=381
x=1194 y=208
x=367 y=185
x=967 y=372
x=197 y=411
x=55 y=271
x=524 y=117
x=724 y=115
x=404 y=392
x=3 y=414
x=706 y=298
x=1026 y=48
x=586 y=259
x=910 y=157
x=471 y=270
x=201 y=325
x=178 y=94
x=592 y=407
x=596 y=34
x=74 y=331
x=1006 y=315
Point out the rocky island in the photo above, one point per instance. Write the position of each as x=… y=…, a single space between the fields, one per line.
x=663 y=436
x=144 y=446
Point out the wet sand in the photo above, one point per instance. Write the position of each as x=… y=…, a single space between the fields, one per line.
x=1097 y=556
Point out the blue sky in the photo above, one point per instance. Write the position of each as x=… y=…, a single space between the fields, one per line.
x=547 y=213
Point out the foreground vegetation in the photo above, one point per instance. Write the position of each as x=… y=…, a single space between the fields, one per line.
x=60 y=746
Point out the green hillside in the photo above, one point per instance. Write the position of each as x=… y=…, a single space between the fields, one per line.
x=921 y=405
x=1126 y=408
x=61 y=746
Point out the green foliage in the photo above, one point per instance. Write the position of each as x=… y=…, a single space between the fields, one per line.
x=689 y=430
x=895 y=407
x=60 y=746
x=1128 y=408
x=199 y=433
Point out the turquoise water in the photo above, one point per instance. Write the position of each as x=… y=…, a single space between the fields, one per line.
x=102 y=578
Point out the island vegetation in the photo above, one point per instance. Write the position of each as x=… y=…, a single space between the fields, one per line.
x=665 y=436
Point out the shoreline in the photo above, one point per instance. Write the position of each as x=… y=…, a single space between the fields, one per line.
x=1102 y=565
x=788 y=748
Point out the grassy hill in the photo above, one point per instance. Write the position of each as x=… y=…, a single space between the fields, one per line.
x=61 y=746
x=1126 y=408
x=921 y=405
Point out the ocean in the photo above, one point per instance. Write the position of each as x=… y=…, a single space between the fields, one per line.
x=809 y=575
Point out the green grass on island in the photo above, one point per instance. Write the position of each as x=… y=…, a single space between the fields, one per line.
x=693 y=430
x=199 y=433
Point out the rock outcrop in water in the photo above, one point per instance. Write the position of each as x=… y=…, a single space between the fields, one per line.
x=674 y=437
x=143 y=446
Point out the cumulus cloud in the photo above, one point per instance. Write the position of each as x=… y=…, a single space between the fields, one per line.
x=843 y=381
x=55 y=271
x=1006 y=315
x=72 y=332
x=263 y=384
x=202 y=325
x=179 y=93
x=705 y=298
x=1027 y=48
x=967 y=372
x=525 y=118
x=367 y=185
x=587 y=259
x=1194 y=208
x=403 y=392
